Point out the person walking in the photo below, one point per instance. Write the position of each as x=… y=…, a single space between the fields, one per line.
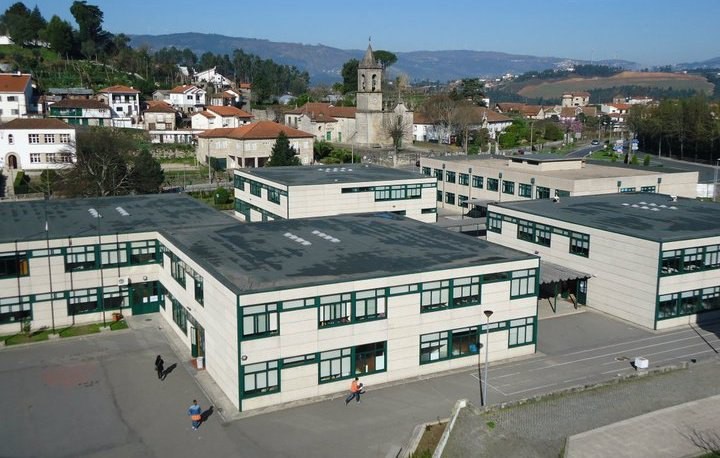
x=195 y=413
x=356 y=389
x=160 y=367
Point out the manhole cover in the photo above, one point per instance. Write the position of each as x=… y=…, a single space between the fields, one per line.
x=622 y=358
x=148 y=319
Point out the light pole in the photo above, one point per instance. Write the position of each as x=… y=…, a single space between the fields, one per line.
x=96 y=214
x=488 y=314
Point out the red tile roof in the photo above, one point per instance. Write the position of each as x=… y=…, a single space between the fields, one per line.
x=119 y=89
x=182 y=89
x=229 y=111
x=261 y=130
x=420 y=118
x=36 y=123
x=158 y=106
x=324 y=112
x=14 y=82
x=80 y=103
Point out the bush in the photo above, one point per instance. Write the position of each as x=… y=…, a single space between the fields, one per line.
x=21 y=184
x=634 y=160
x=646 y=160
x=222 y=196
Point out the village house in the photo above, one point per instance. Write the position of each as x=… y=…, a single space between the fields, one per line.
x=16 y=96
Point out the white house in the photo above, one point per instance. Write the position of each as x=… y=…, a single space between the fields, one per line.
x=187 y=98
x=281 y=312
x=324 y=120
x=269 y=193
x=124 y=103
x=16 y=93
x=211 y=76
x=575 y=99
x=35 y=144
x=218 y=116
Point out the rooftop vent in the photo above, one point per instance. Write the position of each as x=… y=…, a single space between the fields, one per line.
x=122 y=211
x=325 y=236
x=297 y=239
x=94 y=213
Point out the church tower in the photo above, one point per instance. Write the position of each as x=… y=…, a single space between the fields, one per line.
x=369 y=91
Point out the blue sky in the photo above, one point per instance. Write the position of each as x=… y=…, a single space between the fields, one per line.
x=650 y=32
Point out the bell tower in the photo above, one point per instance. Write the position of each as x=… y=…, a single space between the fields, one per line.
x=369 y=90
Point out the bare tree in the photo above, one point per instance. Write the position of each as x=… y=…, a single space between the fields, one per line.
x=441 y=109
x=465 y=116
x=396 y=127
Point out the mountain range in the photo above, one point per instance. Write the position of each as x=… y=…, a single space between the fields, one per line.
x=324 y=63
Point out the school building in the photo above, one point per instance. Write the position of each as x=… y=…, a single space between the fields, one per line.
x=281 y=311
x=270 y=193
x=648 y=258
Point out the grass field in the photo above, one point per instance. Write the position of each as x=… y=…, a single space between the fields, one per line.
x=677 y=81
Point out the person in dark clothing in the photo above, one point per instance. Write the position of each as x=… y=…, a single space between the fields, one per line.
x=160 y=367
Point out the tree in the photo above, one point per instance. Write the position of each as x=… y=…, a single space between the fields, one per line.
x=18 y=23
x=146 y=176
x=89 y=19
x=385 y=58
x=441 y=110
x=396 y=127
x=465 y=116
x=349 y=74
x=470 y=89
x=282 y=153
x=59 y=35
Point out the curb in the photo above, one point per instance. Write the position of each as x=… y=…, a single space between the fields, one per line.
x=418 y=431
x=459 y=405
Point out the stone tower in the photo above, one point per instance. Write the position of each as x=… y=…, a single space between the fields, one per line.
x=368 y=116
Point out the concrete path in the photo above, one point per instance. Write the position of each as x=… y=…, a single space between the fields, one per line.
x=689 y=429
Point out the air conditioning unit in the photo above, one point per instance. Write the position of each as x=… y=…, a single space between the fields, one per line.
x=123 y=281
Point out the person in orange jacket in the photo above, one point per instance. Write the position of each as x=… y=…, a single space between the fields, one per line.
x=356 y=389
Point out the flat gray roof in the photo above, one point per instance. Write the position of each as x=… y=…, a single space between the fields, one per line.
x=542 y=158
x=261 y=256
x=339 y=173
x=647 y=216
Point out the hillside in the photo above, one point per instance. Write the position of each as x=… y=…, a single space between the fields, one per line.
x=324 y=63
x=676 y=81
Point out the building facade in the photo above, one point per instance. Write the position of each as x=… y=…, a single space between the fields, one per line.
x=124 y=103
x=281 y=312
x=187 y=98
x=651 y=259
x=214 y=117
x=271 y=193
x=82 y=112
x=326 y=121
x=16 y=93
x=35 y=144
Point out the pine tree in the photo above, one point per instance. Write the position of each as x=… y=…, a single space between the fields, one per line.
x=282 y=153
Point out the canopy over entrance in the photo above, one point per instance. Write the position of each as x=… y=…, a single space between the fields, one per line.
x=555 y=273
x=568 y=283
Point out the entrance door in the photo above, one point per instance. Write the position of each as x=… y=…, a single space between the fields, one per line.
x=145 y=298
x=582 y=291
x=197 y=341
x=12 y=162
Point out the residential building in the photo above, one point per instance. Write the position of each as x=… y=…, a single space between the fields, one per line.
x=269 y=193
x=36 y=144
x=187 y=98
x=228 y=98
x=161 y=95
x=526 y=111
x=542 y=176
x=575 y=99
x=251 y=145
x=159 y=116
x=425 y=129
x=218 y=116
x=124 y=104
x=280 y=312
x=326 y=121
x=82 y=112
x=16 y=93
x=211 y=76
x=651 y=259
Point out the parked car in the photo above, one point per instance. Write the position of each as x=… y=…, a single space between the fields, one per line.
x=595 y=142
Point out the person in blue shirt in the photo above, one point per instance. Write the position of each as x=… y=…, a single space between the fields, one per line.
x=195 y=412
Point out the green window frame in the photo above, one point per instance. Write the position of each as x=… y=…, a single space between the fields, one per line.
x=464 y=342
x=543 y=234
x=297 y=361
x=533 y=232
x=494 y=222
x=239 y=182
x=433 y=347
x=79 y=258
x=580 y=244
x=199 y=290
x=425 y=211
x=14 y=265
x=113 y=255
x=334 y=310
x=463 y=179
x=370 y=305
x=450 y=198
x=541 y=192
x=335 y=365
x=521 y=332
x=631 y=189
x=523 y=283
x=492 y=184
x=260 y=321
x=508 y=187
x=462 y=201
x=477 y=182
x=399 y=192
x=427 y=171
x=687 y=260
x=255 y=188
x=466 y=291
x=177 y=269
x=83 y=301
x=434 y=296
x=439 y=196
x=562 y=193
x=261 y=379
x=179 y=314
x=144 y=252
x=525 y=190
x=370 y=358
x=273 y=195
x=439 y=174
x=14 y=309
x=450 y=177
x=648 y=189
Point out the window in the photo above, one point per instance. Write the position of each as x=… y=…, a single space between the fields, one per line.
x=370 y=305
x=434 y=296
x=542 y=192
x=13 y=309
x=492 y=184
x=295 y=361
x=334 y=310
x=627 y=189
x=255 y=188
x=466 y=291
x=65 y=157
x=464 y=341
x=370 y=358
x=33 y=138
x=525 y=231
x=647 y=189
x=11 y=138
x=239 y=182
x=521 y=332
x=562 y=193
x=580 y=244
x=532 y=232
x=508 y=187
x=335 y=364
x=542 y=234
x=83 y=301
x=494 y=222
x=34 y=158
x=712 y=257
x=450 y=177
x=462 y=201
x=464 y=179
x=12 y=98
x=439 y=196
x=428 y=210
x=525 y=190
x=49 y=138
x=273 y=195
x=522 y=283
x=427 y=171
x=143 y=252
x=177 y=269
x=113 y=255
x=80 y=258
x=439 y=174
x=199 y=289
x=261 y=378
x=14 y=265
x=477 y=182
x=179 y=314
x=692 y=259
x=450 y=198
x=260 y=321
x=433 y=347
x=398 y=192
x=115 y=297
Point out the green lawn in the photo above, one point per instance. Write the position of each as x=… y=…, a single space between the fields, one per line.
x=81 y=330
x=15 y=339
x=70 y=331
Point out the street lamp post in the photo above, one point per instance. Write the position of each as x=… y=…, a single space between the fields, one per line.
x=488 y=314
x=96 y=214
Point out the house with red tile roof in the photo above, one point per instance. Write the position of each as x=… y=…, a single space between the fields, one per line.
x=158 y=115
x=188 y=98
x=124 y=103
x=36 y=144
x=217 y=116
x=16 y=94
x=575 y=99
x=251 y=145
x=325 y=120
x=82 y=112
